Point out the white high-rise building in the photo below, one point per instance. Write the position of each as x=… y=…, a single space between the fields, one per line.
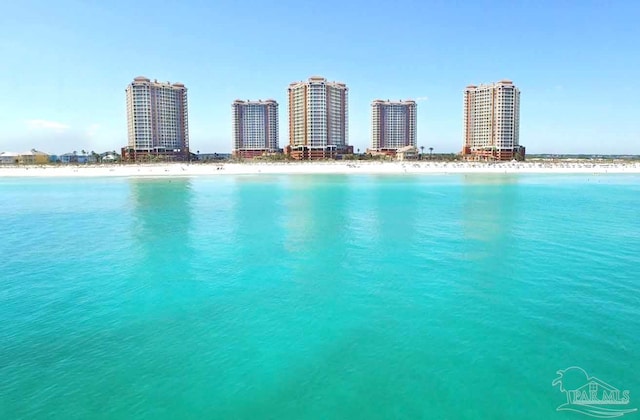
x=157 y=119
x=492 y=121
x=255 y=127
x=393 y=125
x=318 y=119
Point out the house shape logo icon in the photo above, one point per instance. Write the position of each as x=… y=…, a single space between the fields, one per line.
x=591 y=396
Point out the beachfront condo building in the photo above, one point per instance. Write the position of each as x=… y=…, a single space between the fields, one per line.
x=492 y=122
x=393 y=125
x=255 y=128
x=157 y=121
x=318 y=119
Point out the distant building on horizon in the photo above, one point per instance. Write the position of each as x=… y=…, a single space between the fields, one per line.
x=393 y=125
x=318 y=119
x=255 y=128
x=492 y=122
x=31 y=157
x=157 y=121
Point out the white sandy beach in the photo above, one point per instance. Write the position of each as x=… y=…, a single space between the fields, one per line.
x=343 y=167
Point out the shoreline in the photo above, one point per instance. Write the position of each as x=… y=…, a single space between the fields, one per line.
x=310 y=168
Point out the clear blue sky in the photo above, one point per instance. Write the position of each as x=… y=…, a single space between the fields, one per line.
x=65 y=65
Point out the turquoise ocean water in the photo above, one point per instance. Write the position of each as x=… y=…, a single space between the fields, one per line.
x=295 y=297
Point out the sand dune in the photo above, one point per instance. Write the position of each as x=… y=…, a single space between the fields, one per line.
x=344 y=167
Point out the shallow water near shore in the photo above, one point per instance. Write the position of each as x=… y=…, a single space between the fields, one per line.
x=315 y=296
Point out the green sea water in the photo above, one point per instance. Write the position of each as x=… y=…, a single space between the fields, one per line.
x=316 y=297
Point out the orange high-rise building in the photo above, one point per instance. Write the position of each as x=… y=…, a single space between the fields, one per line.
x=492 y=122
x=157 y=120
x=318 y=119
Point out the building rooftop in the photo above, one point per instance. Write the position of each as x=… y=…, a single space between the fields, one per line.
x=144 y=80
x=390 y=102
x=259 y=101
x=407 y=149
x=317 y=79
x=485 y=85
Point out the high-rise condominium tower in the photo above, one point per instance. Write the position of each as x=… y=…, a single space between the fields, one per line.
x=492 y=122
x=255 y=127
x=393 y=125
x=318 y=112
x=157 y=120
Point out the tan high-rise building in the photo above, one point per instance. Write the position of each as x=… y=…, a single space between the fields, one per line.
x=393 y=125
x=255 y=128
x=318 y=119
x=492 y=122
x=157 y=120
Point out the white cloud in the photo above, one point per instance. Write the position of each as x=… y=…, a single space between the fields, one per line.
x=47 y=125
x=422 y=98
